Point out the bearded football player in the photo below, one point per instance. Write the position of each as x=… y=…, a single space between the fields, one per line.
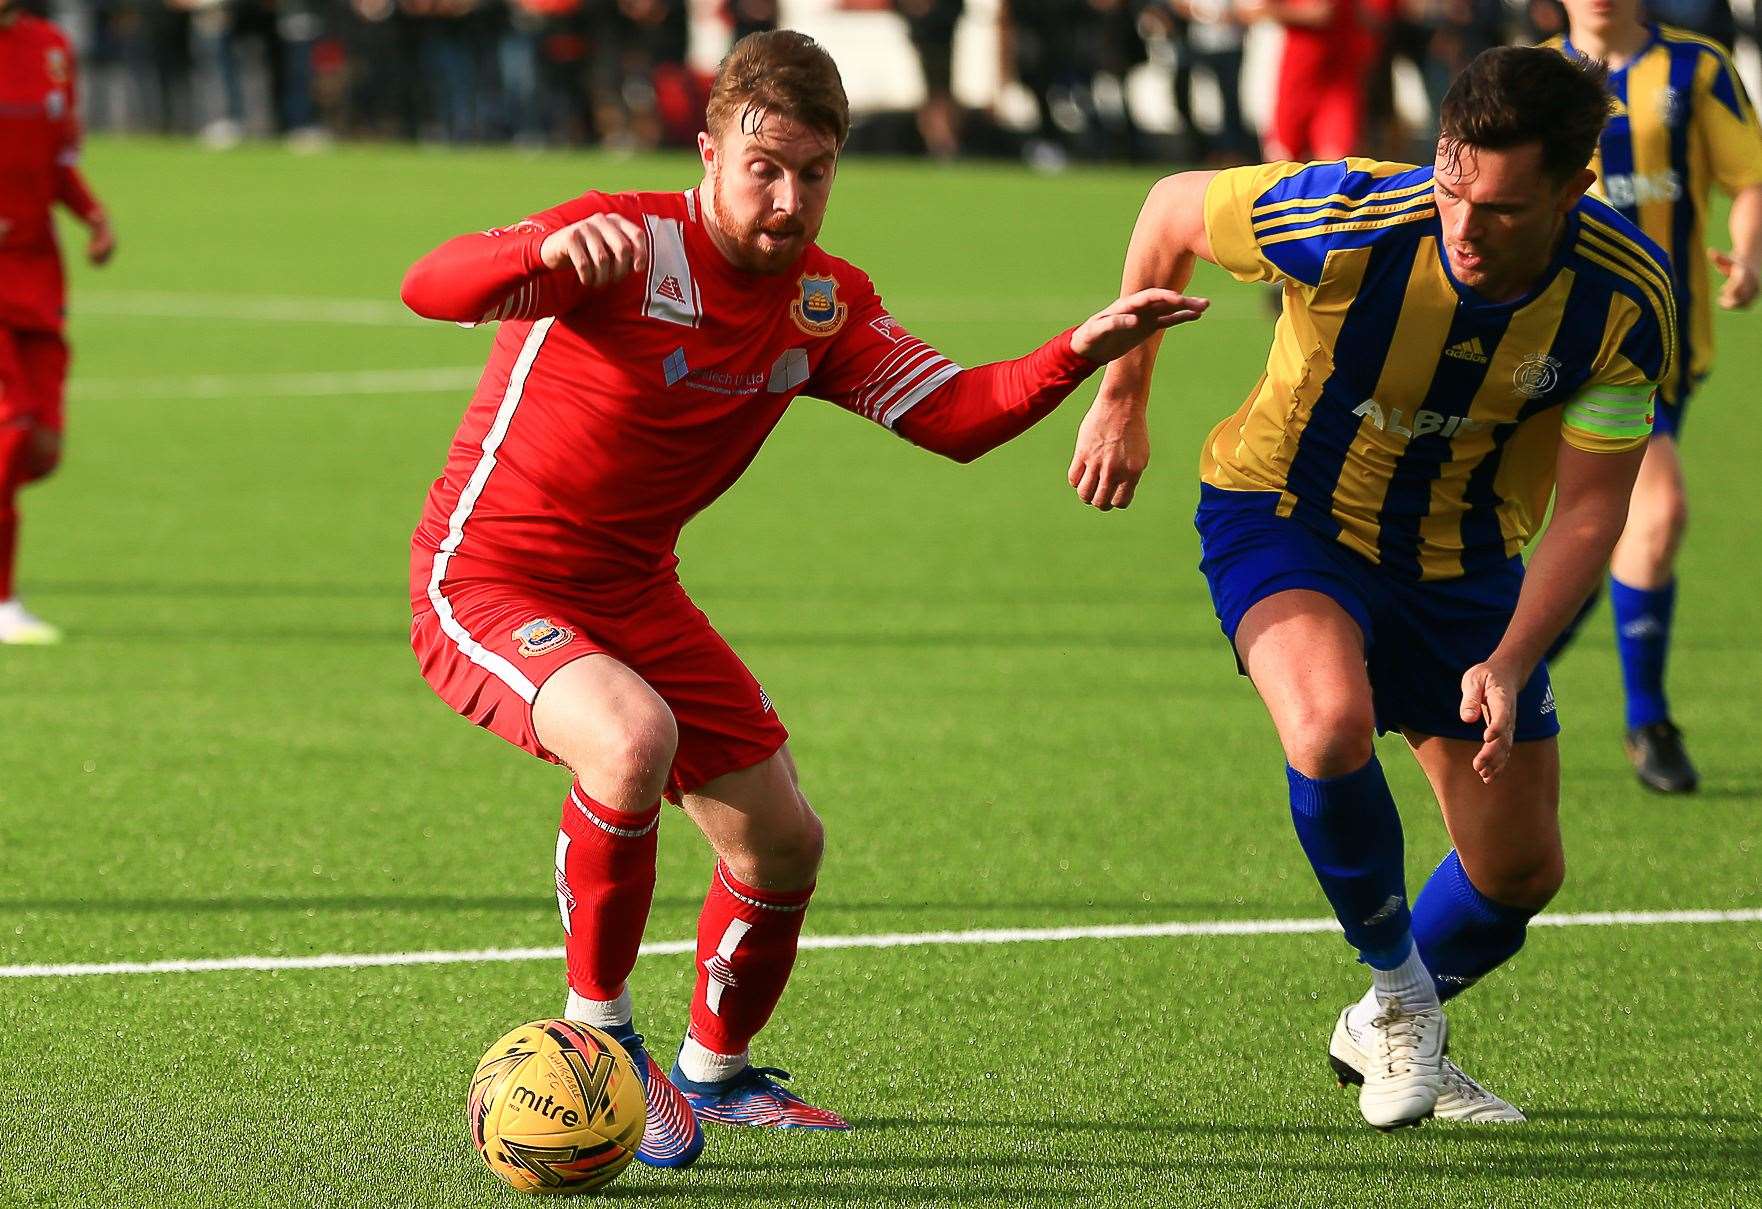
x=649 y=343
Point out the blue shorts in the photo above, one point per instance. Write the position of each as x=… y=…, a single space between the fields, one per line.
x=1419 y=637
x=1667 y=418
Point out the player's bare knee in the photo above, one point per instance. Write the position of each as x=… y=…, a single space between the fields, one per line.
x=622 y=762
x=1530 y=881
x=785 y=854
x=804 y=845
x=637 y=755
x=1329 y=739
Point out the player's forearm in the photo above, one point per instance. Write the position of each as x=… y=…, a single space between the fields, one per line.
x=1561 y=575
x=989 y=405
x=467 y=279
x=1746 y=227
x=72 y=191
x=1167 y=241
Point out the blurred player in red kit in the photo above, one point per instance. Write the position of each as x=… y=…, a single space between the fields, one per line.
x=1330 y=47
x=649 y=344
x=39 y=147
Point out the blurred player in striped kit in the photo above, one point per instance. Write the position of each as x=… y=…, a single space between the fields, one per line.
x=39 y=148
x=1681 y=124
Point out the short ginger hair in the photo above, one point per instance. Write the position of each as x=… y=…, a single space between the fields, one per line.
x=779 y=72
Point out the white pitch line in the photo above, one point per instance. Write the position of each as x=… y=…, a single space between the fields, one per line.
x=250 y=308
x=319 y=383
x=379 y=312
x=898 y=940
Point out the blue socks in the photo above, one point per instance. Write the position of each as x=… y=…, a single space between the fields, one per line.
x=1462 y=934
x=1350 y=831
x=1642 y=636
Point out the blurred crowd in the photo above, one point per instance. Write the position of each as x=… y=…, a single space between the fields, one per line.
x=623 y=73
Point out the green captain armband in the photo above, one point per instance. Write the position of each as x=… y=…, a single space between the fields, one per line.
x=1606 y=418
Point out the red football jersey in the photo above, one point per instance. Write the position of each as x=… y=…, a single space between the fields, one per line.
x=606 y=419
x=39 y=146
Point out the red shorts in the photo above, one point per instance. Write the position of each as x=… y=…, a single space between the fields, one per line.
x=488 y=646
x=33 y=378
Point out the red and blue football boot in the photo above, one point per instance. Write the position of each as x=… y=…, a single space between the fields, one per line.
x=755 y=1097
x=672 y=1136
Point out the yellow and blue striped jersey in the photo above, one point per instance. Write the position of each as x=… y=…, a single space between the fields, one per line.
x=1400 y=412
x=1681 y=124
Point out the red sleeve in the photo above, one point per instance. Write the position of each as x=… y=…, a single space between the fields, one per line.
x=71 y=189
x=497 y=274
x=879 y=370
x=979 y=409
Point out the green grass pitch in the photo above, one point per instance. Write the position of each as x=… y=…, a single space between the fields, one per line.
x=1011 y=711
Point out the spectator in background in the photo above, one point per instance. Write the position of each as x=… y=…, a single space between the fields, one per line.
x=1208 y=35
x=449 y=34
x=930 y=24
x=1409 y=35
x=1330 y=47
x=1465 y=29
x=641 y=90
x=1709 y=18
x=543 y=55
x=281 y=35
x=1061 y=48
x=750 y=16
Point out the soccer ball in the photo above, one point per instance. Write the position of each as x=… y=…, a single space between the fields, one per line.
x=556 y=1106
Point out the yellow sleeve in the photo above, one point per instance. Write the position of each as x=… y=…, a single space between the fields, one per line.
x=1229 y=218
x=1728 y=124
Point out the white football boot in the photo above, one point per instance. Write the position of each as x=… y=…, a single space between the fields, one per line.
x=1461 y=1099
x=20 y=627
x=1403 y=1064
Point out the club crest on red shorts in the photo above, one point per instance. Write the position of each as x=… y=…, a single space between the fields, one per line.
x=541 y=636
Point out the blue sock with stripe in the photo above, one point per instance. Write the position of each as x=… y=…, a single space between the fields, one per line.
x=1351 y=832
x=1461 y=933
x=1642 y=636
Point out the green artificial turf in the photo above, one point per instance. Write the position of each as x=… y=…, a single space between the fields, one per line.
x=1012 y=712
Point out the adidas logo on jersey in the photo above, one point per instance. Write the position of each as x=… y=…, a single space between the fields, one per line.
x=670 y=288
x=1468 y=350
x=1548 y=700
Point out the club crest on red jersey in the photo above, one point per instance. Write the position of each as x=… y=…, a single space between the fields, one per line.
x=55 y=64
x=818 y=311
x=541 y=636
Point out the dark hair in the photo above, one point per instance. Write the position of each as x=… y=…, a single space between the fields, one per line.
x=1513 y=95
x=781 y=72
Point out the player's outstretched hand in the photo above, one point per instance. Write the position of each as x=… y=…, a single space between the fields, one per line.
x=1739 y=290
x=1489 y=696
x=100 y=241
x=1132 y=320
x=602 y=248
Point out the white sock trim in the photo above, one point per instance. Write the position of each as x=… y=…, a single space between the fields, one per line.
x=601 y=1013
x=702 y=1065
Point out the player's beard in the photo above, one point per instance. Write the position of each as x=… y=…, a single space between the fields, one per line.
x=755 y=256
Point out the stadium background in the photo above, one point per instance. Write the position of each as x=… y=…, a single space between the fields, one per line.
x=1014 y=713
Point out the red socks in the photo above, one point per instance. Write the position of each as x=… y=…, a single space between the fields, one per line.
x=12 y=441
x=605 y=882
x=746 y=937
x=746 y=941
